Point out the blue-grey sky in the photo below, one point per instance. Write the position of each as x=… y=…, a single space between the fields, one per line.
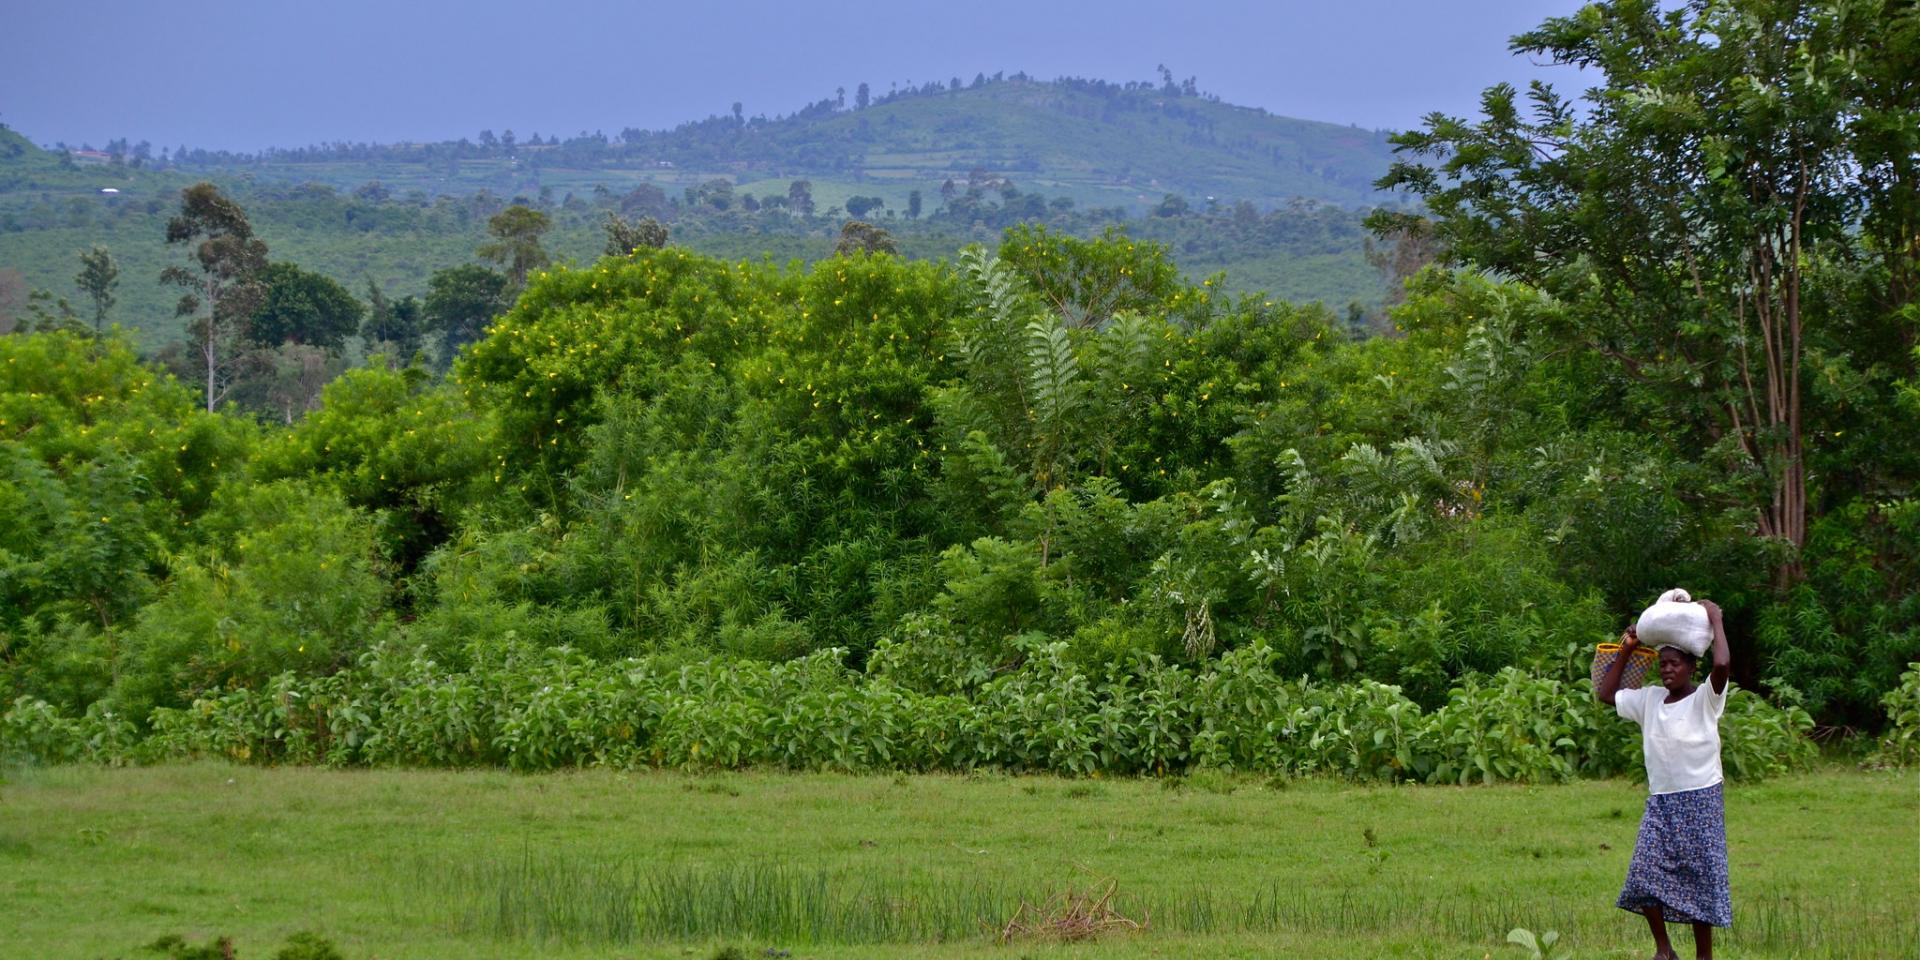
x=245 y=74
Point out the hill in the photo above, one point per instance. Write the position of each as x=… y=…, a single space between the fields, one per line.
x=1104 y=143
x=1275 y=202
x=1097 y=143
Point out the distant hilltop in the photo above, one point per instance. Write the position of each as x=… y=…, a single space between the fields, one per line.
x=1102 y=143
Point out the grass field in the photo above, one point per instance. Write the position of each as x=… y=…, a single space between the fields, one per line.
x=403 y=864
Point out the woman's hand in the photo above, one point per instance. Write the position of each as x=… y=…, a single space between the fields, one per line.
x=1629 y=640
x=1609 y=684
x=1713 y=609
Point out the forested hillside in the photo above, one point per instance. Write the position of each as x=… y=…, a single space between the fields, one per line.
x=1096 y=143
x=385 y=215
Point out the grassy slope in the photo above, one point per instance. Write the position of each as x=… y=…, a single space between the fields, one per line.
x=401 y=864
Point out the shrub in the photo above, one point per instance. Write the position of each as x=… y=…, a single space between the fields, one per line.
x=296 y=587
x=1900 y=746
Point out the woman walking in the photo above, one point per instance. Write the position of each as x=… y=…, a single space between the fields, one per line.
x=1679 y=869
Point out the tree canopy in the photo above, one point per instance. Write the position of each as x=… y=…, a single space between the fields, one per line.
x=303 y=307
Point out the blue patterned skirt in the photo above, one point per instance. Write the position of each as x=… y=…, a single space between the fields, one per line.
x=1680 y=861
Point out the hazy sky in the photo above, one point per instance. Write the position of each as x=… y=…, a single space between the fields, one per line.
x=244 y=74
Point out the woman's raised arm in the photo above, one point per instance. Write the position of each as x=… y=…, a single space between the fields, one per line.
x=1722 y=656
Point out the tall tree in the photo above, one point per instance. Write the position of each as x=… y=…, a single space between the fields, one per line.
x=800 y=197
x=98 y=276
x=223 y=287
x=516 y=233
x=861 y=97
x=1730 y=149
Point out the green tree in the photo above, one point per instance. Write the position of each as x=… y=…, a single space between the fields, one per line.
x=1088 y=282
x=1691 y=207
x=516 y=233
x=106 y=464
x=98 y=276
x=913 y=205
x=224 y=285
x=303 y=307
x=409 y=454
x=716 y=193
x=859 y=236
x=645 y=200
x=624 y=236
x=857 y=206
x=800 y=197
x=398 y=323
x=462 y=300
x=47 y=313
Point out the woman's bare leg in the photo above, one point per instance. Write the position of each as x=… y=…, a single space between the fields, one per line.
x=1657 y=922
x=1703 y=941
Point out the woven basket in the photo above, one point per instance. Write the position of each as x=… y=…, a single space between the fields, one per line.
x=1640 y=665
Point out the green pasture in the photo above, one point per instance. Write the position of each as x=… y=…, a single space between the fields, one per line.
x=96 y=862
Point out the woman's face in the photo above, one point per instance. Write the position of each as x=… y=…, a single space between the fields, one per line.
x=1676 y=671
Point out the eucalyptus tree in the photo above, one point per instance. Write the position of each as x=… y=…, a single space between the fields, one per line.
x=516 y=233
x=99 y=274
x=224 y=285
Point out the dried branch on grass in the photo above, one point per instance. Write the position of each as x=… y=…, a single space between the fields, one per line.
x=1069 y=915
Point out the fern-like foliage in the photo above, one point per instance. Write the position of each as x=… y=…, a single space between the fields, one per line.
x=1402 y=491
x=1053 y=372
x=1056 y=394
x=998 y=295
x=1128 y=349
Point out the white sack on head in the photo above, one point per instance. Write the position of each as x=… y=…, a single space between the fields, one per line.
x=1675 y=621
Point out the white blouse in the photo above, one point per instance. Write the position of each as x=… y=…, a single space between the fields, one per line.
x=1681 y=740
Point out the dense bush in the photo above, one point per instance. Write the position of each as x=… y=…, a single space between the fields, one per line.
x=294 y=585
x=543 y=708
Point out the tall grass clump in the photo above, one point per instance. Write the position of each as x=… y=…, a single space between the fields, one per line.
x=556 y=899
x=553 y=899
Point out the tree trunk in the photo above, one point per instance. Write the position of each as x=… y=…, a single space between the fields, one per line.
x=1774 y=276
x=210 y=354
